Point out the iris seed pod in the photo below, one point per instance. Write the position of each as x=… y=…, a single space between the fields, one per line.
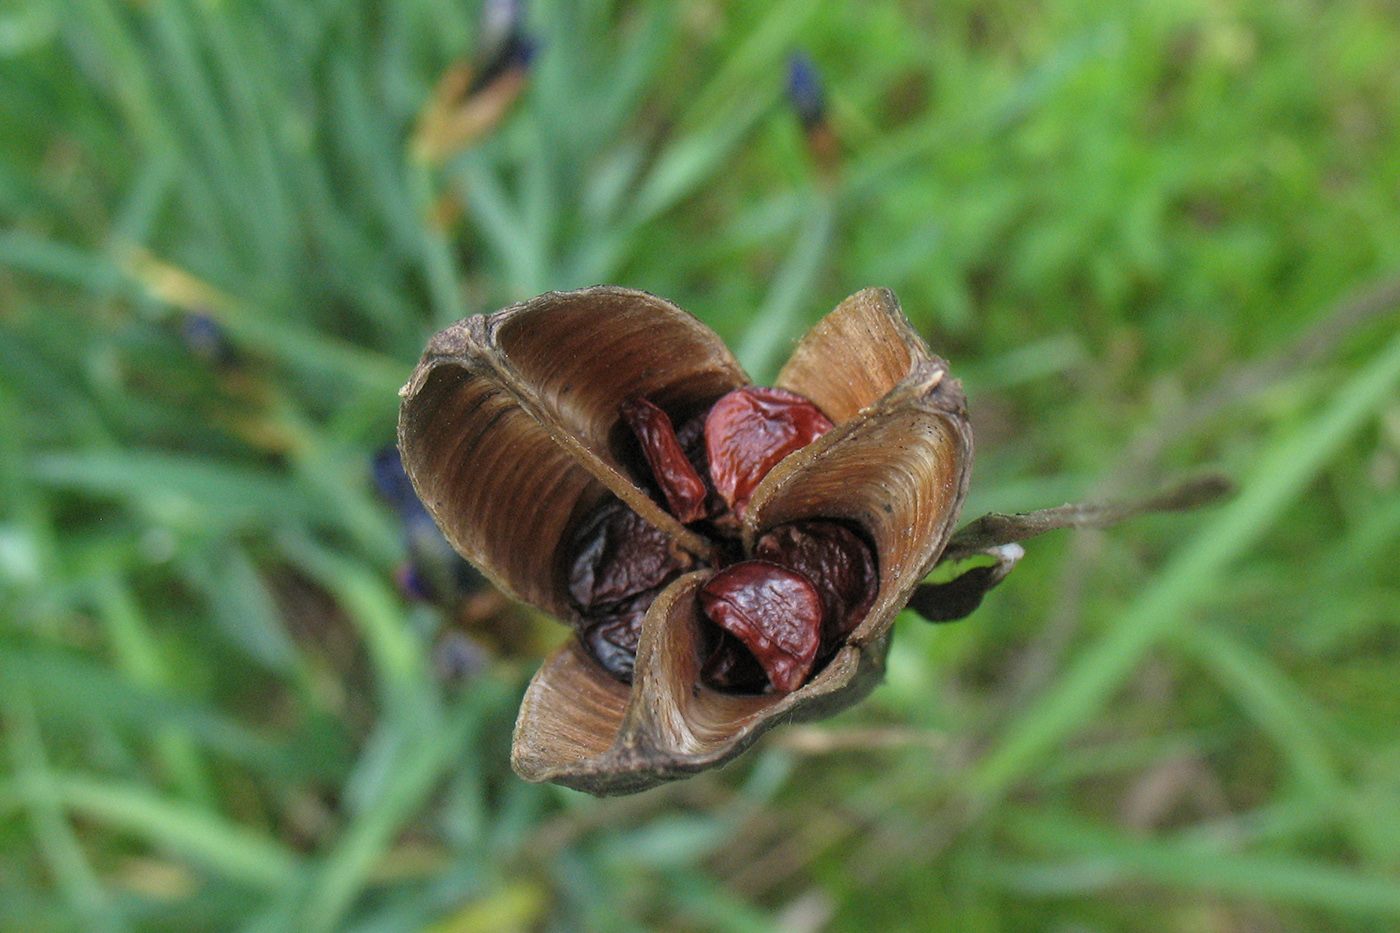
x=511 y=431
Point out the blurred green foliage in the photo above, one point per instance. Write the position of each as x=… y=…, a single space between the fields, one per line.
x=1126 y=226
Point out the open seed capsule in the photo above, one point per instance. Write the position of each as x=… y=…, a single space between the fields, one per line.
x=513 y=431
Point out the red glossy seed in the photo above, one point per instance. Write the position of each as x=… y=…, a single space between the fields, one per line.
x=837 y=561
x=774 y=611
x=749 y=430
x=682 y=486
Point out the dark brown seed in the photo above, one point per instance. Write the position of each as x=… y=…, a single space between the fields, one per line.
x=837 y=561
x=682 y=486
x=617 y=556
x=774 y=611
x=732 y=668
x=749 y=430
x=612 y=637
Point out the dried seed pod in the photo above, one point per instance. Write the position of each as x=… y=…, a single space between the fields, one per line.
x=513 y=432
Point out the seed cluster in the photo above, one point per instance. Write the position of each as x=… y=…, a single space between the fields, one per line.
x=778 y=614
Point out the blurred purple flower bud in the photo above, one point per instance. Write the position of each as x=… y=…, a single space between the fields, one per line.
x=515 y=55
x=411 y=582
x=500 y=19
x=434 y=571
x=392 y=482
x=457 y=656
x=805 y=92
x=504 y=45
x=471 y=100
x=206 y=338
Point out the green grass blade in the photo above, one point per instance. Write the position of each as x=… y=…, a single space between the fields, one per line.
x=692 y=159
x=196 y=491
x=62 y=262
x=396 y=651
x=34 y=788
x=1269 y=699
x=138 y=656
x=1298 y=729
x=778 y=324
x=342 y=875
x=1114 y=860
x=756 y=62
x=76 y=691
x=234 y=852
x=243 y=607
x=1282 y=474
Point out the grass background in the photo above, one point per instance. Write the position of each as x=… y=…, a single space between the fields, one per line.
x=1151 y=237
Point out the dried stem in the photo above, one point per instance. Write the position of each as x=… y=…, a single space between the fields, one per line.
x=997 y=529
